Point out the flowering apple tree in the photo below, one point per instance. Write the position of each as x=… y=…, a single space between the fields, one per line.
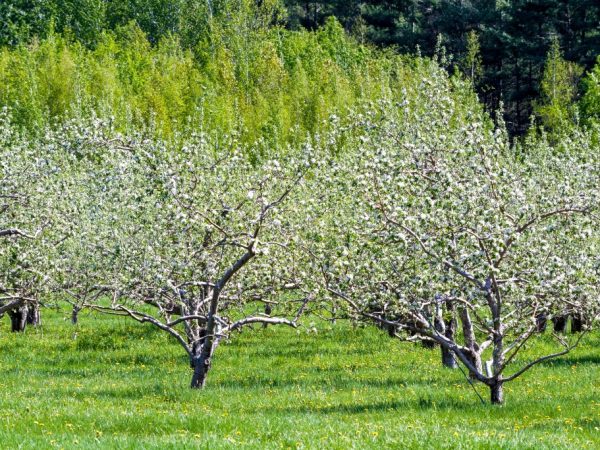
x=197 y=241
x=450 y=222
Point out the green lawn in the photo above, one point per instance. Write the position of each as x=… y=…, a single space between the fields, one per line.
x=111 y=383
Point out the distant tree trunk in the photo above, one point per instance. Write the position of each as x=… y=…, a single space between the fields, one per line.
x=33 y=315
x=560 y=324
x=576 y=323
x=542 y=322
x=497 y=393
x=391 y=330
x=448 y=359
x=75 y=314
x=268 y=311
x=18 y=319
x=428 y=343
x=448 y=329
x=473 y=354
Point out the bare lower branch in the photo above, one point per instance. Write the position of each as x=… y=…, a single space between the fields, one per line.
x=545 y=358
x=259 y=319
x=142 y=318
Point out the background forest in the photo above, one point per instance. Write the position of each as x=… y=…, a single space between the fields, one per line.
x=525 y=56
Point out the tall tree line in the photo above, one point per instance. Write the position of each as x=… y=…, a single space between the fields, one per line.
x=513 y=37
x=501 y=44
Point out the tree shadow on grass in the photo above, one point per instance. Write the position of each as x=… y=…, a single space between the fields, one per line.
x=339 y=380
x=384 y=406
x=572 y=360
x=299 y=351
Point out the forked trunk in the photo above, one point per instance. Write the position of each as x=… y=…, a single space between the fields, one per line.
x=497 y=393
x=204 y=348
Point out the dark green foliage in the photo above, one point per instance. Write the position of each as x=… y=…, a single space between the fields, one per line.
x=85 y=20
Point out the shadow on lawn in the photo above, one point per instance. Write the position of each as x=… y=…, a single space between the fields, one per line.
x=380 y=406
x=336 y=379
x=572 y=360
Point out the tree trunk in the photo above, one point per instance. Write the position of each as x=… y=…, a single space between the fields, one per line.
x=18 y=319
x=446 y=327
x=268 y=311
x=201 y=364
x=560 y=324
x=497 y=393
x=475 y=359
x=472 y=354
x=75 y=315
x=576 y=323
x=448 y=359
x=450 y=325
x=33 y=315
x=391 y=330
x=202 y=353
x=428 y=344
x=541 y=321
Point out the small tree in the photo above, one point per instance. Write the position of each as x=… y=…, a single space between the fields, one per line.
x=472 y=62
x=558 y=90
x=590 y=102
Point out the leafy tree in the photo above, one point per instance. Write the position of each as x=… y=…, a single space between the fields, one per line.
x=558 y=90
x=30 y=183
x=590 y=102
x=472 y=60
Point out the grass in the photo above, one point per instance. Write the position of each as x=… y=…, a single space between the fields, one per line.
x=110 y=383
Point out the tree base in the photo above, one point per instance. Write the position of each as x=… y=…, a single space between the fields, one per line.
x=497 y=394
x=448 y=359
